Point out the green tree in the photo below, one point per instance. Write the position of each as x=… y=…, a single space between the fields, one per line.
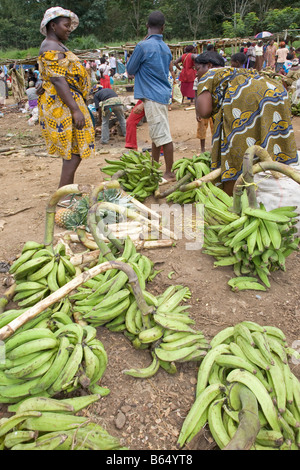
x=278 y=20
x=196 y=12
x=135 y=13
x=239 y=27
x=107 y=21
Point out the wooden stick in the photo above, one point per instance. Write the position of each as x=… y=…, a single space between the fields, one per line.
x=146 y=210
x=16 y=212
x=152 y=244
x=75 y=237
x=79 y=259
x=133 y=215
x=7 y=149
x=123 y=226
x=27 y=146
x=85 y=258
x=11 y=152
x=176 y=186
x=213 y=175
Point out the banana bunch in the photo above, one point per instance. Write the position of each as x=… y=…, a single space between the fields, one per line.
x=170 y=336
x=39 y=361
x=108 y=300
x=140 y=173
x=255 y=243
x=39 y=271
x=43 y=423
x=196 y=167
x=295 y=109
x=60 y=314
x=258 y=358
x=105 y=299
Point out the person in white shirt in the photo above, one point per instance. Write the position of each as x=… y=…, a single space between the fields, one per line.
x=259 y=54
x=112 y=64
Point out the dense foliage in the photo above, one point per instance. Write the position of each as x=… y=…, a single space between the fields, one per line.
x=111 y=21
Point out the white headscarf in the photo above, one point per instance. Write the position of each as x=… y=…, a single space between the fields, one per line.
x=55 y=12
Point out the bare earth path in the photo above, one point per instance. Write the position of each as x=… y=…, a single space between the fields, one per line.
x=148 y=414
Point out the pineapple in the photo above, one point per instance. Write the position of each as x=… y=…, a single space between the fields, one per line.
x=76 y=215
x=62 y=216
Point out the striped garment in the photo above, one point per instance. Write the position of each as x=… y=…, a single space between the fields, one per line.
x=248 y=109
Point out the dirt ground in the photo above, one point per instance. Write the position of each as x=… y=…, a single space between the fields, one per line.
x=144 y=414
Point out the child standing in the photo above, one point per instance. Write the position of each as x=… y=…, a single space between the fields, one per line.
x=202 y=123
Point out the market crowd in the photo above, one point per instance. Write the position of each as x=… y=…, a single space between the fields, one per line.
x=57 y=89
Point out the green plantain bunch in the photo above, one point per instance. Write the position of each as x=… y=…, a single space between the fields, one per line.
x=138 y=174
x=255 y=242
x=256 y=357
x=40 y=360
x=42 y=423
x=40 y=270
x=197 y=167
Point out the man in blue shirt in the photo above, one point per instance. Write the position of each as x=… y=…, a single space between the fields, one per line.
x=150 y=64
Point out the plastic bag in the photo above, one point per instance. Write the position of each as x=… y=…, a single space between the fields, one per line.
x=177 y=95
x=280 y=192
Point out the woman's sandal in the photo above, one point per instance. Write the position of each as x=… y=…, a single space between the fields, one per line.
x=68 y=202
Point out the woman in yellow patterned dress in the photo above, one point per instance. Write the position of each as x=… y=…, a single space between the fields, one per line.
x=65 y=121
x=247 y=109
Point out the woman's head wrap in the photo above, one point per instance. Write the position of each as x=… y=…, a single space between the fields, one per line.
x=210 y=57
x=56 y=12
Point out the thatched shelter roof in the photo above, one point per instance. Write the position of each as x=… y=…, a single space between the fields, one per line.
x=176 y=49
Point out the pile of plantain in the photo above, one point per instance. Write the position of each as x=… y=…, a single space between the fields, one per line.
x=255 y=242
x=187 y=170
x=295 y=108
x=43 y=358
x=138 y=174
x=57 y=350
x=107 y=300
x=42 y=423
x=251 y=358
x=39 y=271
